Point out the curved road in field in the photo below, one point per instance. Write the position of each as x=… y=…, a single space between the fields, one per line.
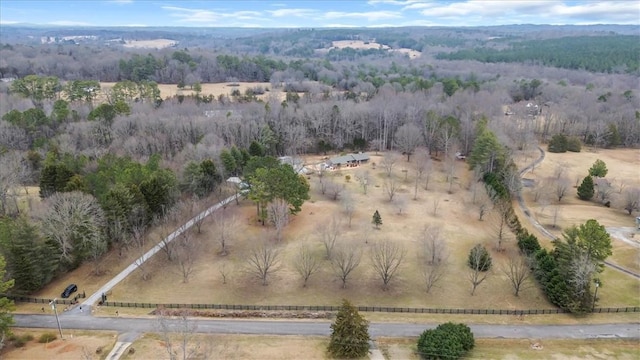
x=542 y=229
x=322 y=328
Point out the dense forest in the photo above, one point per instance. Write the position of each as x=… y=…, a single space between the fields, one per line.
x=122 y=159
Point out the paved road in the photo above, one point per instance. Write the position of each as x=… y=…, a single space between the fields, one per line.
x=129 y=269
x=542 y=229
x=322 y=328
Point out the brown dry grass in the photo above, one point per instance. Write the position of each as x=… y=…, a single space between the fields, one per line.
x=205 y=286
x=151 y=346
x=514 y=349
x=76 y=345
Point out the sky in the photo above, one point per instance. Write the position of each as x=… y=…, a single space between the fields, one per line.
x=316 y=14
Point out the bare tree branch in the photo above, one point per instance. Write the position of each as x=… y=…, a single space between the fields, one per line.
x=386 y=258
x=345 y=259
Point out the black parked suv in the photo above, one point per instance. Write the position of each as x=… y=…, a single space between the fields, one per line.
x=69 y=290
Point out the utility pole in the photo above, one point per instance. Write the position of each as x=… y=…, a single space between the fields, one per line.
x=55 y=311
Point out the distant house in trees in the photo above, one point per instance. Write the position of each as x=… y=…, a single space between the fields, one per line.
x=296 y=163
x=349 y=160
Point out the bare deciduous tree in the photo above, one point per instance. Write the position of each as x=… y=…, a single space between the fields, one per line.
x=436 y=205
x=631 y=200
x=604 y=190
x=186 y=252
x=263 y=260
x=391 y=187
x=475 y=275
x=348 y=206
x=433 y=244
x=517 y=271
x=433 y=255
x=400 y=203
x=306 y=263
x=560 y=186
x=421 y=167
x=224 y=230
x=333 y=189
x=74 y=221
x=329 y=234
x=501 y=212
x=345 y=259
x=386 y=258
x=582 y=269
x=407 y=138
x=278 y=211
x=179 y=336
x=364 y=178
x=389 y=160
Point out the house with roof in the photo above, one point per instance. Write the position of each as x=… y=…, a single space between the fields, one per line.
x=349 y=160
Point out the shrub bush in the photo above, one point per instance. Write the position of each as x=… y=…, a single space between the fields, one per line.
x=585 y=190
x=558 y=144
x=47 y=338
x=447 y=341
x=574 y=144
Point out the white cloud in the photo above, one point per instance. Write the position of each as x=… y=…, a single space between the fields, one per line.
x=211 y=17
x=340 y=26
x=68 y=23
x=8 y=22
x=293 y=12
x=121 y=1
x=368 y=15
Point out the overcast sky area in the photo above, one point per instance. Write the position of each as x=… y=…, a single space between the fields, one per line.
x=316 y=14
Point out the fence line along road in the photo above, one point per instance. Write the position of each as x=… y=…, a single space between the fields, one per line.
x=129 y=269
x=629 y=309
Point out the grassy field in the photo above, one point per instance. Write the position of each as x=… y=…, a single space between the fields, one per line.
x=524 y=349
x=364 y=288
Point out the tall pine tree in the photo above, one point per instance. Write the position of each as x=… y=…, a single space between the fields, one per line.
x=349 y=333
x=585 y=190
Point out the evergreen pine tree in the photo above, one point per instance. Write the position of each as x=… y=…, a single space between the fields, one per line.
x=377 y=219
x=349 y=333
x=585 y=190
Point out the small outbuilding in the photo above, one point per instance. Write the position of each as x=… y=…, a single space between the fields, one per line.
x=638 y=222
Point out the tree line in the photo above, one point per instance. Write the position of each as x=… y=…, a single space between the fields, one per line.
x=606 y=54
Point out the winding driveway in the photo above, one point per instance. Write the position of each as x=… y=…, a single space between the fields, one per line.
x=146 y=256
x=542 y=229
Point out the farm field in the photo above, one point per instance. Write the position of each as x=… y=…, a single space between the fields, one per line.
x=217 y=89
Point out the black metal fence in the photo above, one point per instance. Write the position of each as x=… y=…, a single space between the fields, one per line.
x=327 y=308
x=28 y=299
